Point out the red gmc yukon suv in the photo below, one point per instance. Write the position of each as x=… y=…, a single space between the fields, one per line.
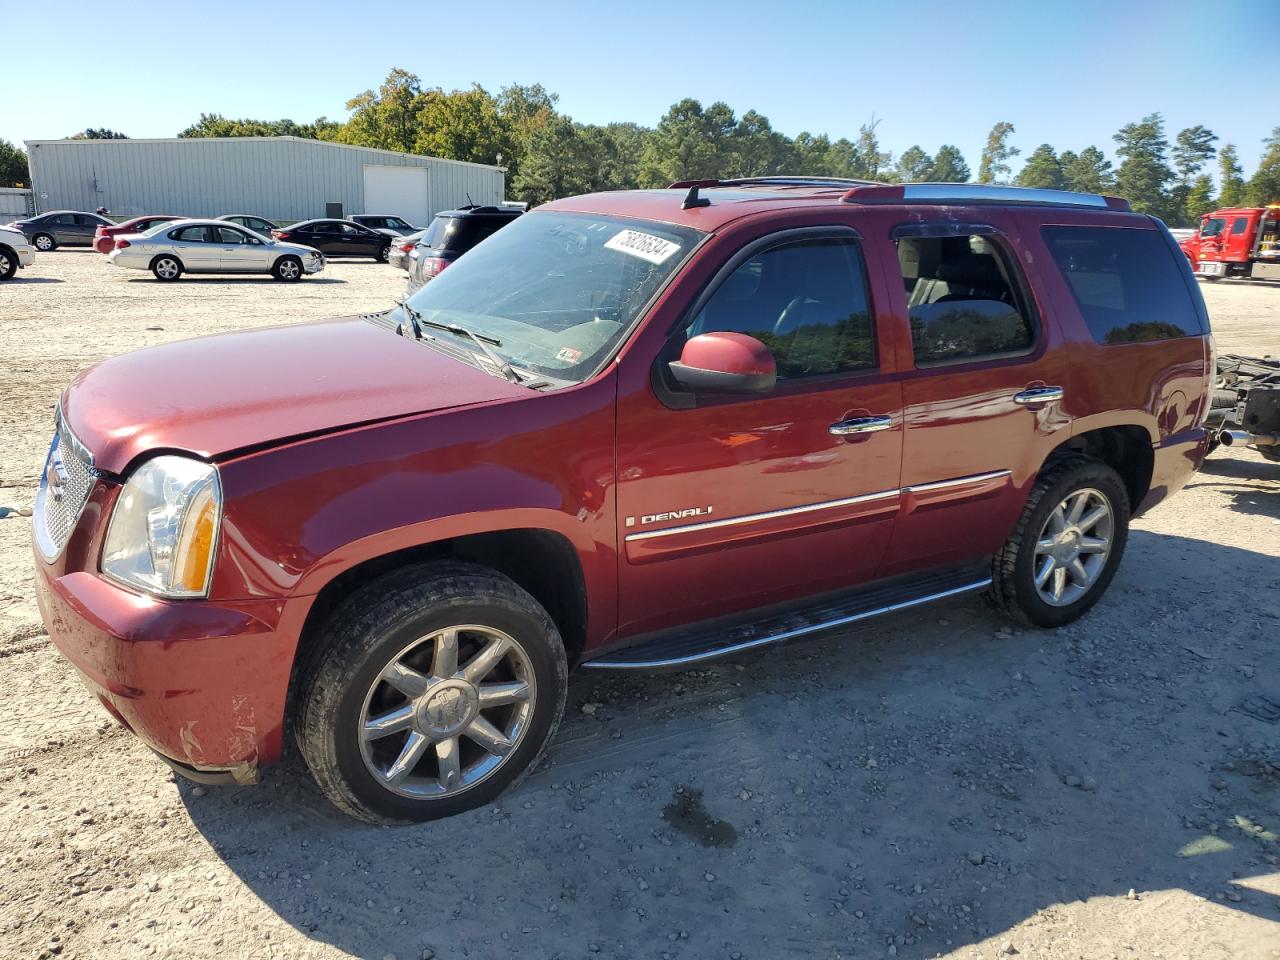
x=629 y=431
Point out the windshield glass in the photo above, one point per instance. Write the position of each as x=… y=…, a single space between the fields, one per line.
x=558 y=291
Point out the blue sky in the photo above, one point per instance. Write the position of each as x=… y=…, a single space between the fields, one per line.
x=1069 y=73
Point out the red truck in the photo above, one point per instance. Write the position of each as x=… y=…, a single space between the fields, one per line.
x=630 y=431
x=1237 y=242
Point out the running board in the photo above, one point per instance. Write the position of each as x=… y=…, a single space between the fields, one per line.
x=721 y=639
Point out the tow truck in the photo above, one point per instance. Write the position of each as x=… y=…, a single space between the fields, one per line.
x=1241 y=242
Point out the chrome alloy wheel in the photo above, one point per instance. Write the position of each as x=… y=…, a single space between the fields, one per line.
x=1072 y=549
x=290 y=269
x=5 y=265
x=167 y=268
x=447 y=711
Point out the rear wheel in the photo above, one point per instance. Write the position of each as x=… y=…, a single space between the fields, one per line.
x=1066 y=546
x=430 y=692
x=384 y=254
x=8 y=263
x=43 y=242
x=288 y=269
x=166 y=268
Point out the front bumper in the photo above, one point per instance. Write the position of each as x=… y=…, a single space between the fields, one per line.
x=202 y=683
x=313 y=264
x=26 y=254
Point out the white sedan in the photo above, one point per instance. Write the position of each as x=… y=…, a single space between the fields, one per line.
x=213 y=246
x=15 y=251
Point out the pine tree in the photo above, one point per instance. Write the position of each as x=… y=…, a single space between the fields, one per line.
x=994 y=166
x=1043 y=169
x=1144 y=172
x=1199 y=199
x=949 y=166
x=1264 y=185
x=1088 y=171
x=1230 y=177
x=914 y=166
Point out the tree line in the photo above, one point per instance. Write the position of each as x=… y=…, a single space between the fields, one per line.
x=548 y=154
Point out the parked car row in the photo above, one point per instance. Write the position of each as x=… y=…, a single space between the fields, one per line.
x=170 y=245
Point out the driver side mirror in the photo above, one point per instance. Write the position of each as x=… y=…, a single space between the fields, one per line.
x=725 y=363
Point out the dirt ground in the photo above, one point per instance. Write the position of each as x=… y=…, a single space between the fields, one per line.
x=934 y=784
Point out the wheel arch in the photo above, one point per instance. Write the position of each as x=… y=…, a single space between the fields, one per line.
x=543 y=562
x=1126 y=448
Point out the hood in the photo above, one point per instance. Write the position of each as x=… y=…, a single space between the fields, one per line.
x=215 y=395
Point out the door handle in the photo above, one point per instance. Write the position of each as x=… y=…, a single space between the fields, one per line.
x=1038 y=395
x=860 y=425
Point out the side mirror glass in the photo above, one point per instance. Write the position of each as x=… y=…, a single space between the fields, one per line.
x=725 y=363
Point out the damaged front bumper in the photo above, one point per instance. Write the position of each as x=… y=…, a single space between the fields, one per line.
x=201 y=683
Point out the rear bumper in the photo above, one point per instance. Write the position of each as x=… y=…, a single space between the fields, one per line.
x=1174 y=460
x=203 y=684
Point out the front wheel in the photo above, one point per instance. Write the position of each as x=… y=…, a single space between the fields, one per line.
x=166 y=268
x=288 y=269
x=8 y=263
x=429 y=692
x=1066 y=546
x=384 y=254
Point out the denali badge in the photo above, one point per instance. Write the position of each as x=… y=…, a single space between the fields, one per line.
x=670 y=515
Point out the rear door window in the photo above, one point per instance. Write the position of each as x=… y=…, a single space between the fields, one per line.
x=192 y=235
x=963 y=299
x=1126 y=282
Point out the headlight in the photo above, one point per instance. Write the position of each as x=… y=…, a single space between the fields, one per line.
x=164 y=527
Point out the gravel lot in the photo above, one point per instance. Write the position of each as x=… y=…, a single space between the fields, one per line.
x=935 y=784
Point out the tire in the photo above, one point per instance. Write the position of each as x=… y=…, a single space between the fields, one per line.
x=167 y=268
x=1062 y=483
x=44 y=242
x=403 y=620
x=384 y=254
x=288 y=269
x=8 y=263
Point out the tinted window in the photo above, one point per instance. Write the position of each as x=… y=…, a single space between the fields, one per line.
x=64 y=219
x=192 y=235
x=1239 y=227
x=459 y=234
x=961 y=299
x=806 y=301
x=1126 y=282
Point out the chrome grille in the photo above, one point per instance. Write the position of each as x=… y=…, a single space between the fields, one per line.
x=64 y=489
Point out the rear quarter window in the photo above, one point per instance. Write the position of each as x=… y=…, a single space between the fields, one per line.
x=1126 y=282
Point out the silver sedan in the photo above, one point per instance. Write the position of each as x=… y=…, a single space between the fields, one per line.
x=212 y=246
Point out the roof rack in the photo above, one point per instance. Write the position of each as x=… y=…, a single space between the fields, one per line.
x=979 y=193
x=779 y=181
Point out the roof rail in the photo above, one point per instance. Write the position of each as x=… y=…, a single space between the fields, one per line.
x=778 y=181
x=979 y=193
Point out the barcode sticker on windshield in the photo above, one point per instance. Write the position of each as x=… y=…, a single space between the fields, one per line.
x=643 y=245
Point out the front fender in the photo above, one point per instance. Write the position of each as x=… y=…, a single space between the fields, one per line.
x=299 y=515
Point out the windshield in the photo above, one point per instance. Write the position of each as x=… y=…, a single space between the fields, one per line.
x=556 y=292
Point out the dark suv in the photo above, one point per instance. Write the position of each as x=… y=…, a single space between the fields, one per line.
x=451 y=234
x=631 y=431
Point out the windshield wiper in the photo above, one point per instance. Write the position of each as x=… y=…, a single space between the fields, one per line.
x=482 y=342
x=414 y=318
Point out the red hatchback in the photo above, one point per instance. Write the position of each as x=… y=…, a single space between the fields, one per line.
x=104 y=237
x=629 y=431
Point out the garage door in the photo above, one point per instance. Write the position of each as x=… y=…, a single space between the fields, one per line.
x=403 y=191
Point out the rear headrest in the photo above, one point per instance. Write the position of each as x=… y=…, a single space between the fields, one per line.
x=974 y=270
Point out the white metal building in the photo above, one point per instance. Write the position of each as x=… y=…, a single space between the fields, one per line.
x=281 y=178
